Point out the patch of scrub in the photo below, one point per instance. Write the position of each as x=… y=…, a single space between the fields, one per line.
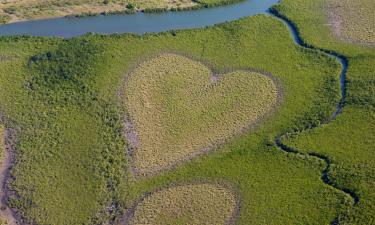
x=187 y=204
x=179 y=111
x=353 y=21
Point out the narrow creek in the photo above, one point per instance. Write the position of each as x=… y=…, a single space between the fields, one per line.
x=344 y=68
x=141 y=23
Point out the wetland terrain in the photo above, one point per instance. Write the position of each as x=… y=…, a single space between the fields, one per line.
x=263 y=119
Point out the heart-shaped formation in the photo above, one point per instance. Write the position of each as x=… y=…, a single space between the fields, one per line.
x=186 y=204
x=179 y=109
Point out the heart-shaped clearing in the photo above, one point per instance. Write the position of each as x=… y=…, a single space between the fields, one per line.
x=187 y=204
x=178 y=109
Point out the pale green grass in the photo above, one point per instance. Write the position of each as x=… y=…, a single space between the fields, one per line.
x=70 y=154
x=158 y=4
x=349 y=142
x=194 y=204
x=180 y=109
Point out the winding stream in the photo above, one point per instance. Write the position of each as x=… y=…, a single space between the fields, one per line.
x=344 y=68
x=141 y=23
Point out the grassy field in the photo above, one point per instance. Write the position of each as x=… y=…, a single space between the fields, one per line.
x=20 y=10
x=353 y=21
x=71 y=166
x=180 y=109
x=187 y=204
x=348 y=141
x=68 y=99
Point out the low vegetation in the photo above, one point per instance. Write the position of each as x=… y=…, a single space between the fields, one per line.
x=211 y=3
x=353 y=21
x=187 y=204
x=179 y=108
x=71 y=166
x=347 y=141
x=163 y=5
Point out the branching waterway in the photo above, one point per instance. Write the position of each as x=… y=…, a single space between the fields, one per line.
x=141 y=23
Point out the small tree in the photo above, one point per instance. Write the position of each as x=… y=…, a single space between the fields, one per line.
x=130 y=6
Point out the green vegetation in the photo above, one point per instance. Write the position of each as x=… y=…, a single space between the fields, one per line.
x=353 y=20
x=71 y=167
x=348 y=141
x=187 y=204
x=64 y=150
x=180 y=109
x=164 y=5
x=68 y=98
x=4 y=19
x=211 y=3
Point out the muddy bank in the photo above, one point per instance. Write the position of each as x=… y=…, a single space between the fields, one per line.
x=7 y=160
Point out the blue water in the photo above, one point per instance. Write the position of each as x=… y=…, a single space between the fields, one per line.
x=138 y=23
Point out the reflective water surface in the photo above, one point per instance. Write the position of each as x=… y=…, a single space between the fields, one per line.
x=138 y=23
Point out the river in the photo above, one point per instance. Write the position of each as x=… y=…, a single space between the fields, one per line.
x=138 y=23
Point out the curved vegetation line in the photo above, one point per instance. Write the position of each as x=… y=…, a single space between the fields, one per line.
x=344 y=64
x=211 y=197
x=132 y=134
